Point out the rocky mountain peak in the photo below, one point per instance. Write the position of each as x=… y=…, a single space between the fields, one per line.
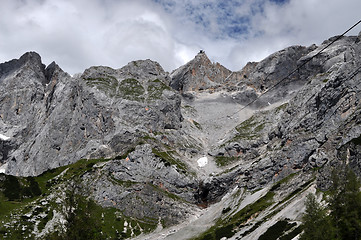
x=151 y=157
x=52 y=71
x=199 y=74
x=201 y=58
x=54 y=114
x=30 y=59
x=140 y=70
x=144 y=70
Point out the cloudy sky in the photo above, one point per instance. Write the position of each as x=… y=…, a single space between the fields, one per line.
x=78 y=34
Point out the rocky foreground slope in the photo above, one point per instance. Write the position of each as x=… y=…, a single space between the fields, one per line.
x=199 y=153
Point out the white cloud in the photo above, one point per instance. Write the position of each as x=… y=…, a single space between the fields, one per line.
x=80 y=33
x=295 y=23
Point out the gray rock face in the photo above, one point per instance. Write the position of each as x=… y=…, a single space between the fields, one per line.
x=31 y=60
x=253 y=80
x=199 y=74
x=51 y=116
x=277 y=66
x=310 y=131
x=147 y=186
x=305 y=126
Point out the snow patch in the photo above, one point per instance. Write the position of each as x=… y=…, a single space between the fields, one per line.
x=202 y=162
x=3 y=137
x=3 y=168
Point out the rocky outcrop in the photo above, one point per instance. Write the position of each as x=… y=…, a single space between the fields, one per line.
x=54 y=119
x=146 y=184
x=309 y=131
x=141 y=132
x=271 y=75
x=199 y=74
x=277 y=66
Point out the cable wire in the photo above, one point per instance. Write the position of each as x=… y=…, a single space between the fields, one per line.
x=296 y=69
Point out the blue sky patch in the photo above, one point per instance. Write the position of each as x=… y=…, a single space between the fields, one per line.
x=216 y=19
x=280 y=1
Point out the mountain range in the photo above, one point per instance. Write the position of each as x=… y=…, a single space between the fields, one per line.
x=199 y=153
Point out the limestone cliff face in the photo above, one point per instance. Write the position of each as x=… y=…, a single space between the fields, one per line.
x=53 y=119
x=307 y=131
x=199 y=74
x=140 y=133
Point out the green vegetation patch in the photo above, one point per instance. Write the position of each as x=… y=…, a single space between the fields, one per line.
x=45 y=220
x=131 y=89
x=249 y=129
x=107 y=84
x=247 y=212
x=125 y=154
x=277 y=230
x=166 y=193
x=123 y=183
x=113 y=222
x=281 y=107
x=189 y=109
x=298 y=190
x=80 y=167
x=284 y=180
x=7 y=207
x=224 y=161
x=49 y=178
x=228 y=227
x=197 y=125
x=45 y=179
x=88 y=220
x=169 y=160
x=17 y=192
x=155 y=89
x=19 y=188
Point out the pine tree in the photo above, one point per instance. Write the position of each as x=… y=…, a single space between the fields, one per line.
x=345 y=205
x=82 y=222
x=316 y=222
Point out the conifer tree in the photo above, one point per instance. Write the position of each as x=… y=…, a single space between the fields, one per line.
x=345 y=205
x=316 y=222
x=341 y=218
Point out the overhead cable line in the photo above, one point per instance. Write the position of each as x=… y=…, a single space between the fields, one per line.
x=296 y=69
x=349 y=77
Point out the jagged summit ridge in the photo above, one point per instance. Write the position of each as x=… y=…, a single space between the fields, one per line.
x=52 y=116
x=31 y=59
x=141 y=133
x=199 y=74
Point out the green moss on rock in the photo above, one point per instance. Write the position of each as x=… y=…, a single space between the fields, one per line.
x=131 y=89
x=155 y=89
x=169 y=160
x=249 y=129
x=107 y=84
x=228 y=227
x=224 y=161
